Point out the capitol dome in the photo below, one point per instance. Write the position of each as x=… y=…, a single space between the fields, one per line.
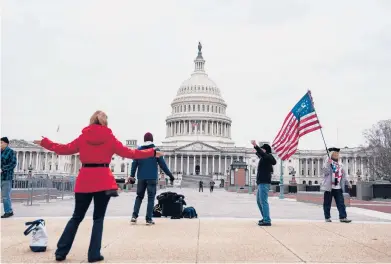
x=198 y=111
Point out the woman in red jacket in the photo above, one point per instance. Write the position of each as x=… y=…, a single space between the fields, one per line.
x=96 y=146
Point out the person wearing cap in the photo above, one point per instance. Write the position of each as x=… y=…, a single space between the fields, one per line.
x=147 y=176
x=8 y=164
x=335 y=177
x=264 y=179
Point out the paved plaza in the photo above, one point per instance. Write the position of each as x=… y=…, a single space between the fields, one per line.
x=226 y=231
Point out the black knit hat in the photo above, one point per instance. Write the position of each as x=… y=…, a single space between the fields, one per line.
x=5 y=140
x=334 y=149
x=267 y=148
x=148 y=137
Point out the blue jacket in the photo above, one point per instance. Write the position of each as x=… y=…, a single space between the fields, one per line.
x=147 y=168
x=8 y=164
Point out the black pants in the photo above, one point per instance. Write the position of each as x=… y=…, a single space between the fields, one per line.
x=211 y=188
x=82 y=202
x=150 y=187
x=339 y=201
x=201 y=189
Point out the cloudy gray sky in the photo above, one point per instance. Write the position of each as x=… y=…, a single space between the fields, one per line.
x=62 y=60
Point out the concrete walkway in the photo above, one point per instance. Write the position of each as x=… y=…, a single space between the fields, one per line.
x=210 y=240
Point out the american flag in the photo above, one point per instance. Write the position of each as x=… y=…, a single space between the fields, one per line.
x=301 y=120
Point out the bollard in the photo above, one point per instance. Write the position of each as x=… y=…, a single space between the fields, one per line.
x=32 y=193
x=47 y=190
x=63 y=188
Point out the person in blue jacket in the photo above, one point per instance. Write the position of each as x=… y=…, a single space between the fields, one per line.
x=147 y=176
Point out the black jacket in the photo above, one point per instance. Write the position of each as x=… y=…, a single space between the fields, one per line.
x=265 y=166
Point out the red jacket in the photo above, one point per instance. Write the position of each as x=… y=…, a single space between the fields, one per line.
x=96 y=144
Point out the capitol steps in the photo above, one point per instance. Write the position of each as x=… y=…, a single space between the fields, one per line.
x=193 y=180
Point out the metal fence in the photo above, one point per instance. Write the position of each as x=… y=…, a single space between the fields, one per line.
x=34 y=188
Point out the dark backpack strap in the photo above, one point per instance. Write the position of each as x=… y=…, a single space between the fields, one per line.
x=32 y=225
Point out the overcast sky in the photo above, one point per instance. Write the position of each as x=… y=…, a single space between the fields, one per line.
x=62 y=60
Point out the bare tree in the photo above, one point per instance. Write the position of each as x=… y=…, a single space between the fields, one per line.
x=378 y=140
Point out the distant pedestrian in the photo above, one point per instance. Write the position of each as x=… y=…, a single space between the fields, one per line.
x=8 y=164
x=95 y=181
x=264 y=177
x=335 y=177
x=201 y=186
x=211 y=185
x=147 y=176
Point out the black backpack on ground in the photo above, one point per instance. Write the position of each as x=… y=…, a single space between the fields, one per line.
x=171 y=204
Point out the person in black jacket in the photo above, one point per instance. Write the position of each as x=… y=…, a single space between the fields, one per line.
x=264 y=177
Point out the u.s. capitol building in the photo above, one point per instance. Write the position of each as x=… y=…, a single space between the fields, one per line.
x=198 y=142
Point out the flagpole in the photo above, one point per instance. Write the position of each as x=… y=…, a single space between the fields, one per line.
x=321 y=129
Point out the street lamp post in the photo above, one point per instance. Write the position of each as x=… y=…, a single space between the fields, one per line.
x=281 y=180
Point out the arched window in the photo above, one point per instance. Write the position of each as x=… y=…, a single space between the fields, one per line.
x=304 y=182
x=193 y=108
x=207 y=108
x=184 y=108
x=316 y=182
x=122 y=167
x=189 y=108
x=203 y=108
x=310 y=183
x=199 y=108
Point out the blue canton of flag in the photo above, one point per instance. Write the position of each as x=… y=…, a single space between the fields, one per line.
x=303 y=107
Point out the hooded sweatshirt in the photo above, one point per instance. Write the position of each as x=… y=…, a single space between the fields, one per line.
x=265 y=164
x=147 y=168
x=96 y=145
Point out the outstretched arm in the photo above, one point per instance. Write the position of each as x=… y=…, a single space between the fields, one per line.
x=163 y=166
x=129 y=153
x=61 y=149
x=134 y=168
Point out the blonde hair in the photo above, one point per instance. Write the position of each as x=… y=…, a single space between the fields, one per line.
x=99 y=118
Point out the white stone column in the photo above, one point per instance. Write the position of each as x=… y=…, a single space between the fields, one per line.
x=188 y=164
x=213 y=129
x=175 y=164
x=46 y=161
x=169 y=162
x=354 y=167
x=201 y=130
x=232 y=159
x=207 y=164
x=37 y=162
x=59 y=163
x=31 y=159
x=219 y=163
x=213 y=164
x=225 y=164
x=182 y=163
x=188 y=127
x=23 y=159
x=201 y=163
x=194 y=164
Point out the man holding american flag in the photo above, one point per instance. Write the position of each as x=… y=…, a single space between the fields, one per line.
x=264 y=178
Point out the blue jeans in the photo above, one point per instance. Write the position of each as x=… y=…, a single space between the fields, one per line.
x=262 y=201
x=6 y=187
x=339 y=201
x=82 y=202
x=150 y=187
